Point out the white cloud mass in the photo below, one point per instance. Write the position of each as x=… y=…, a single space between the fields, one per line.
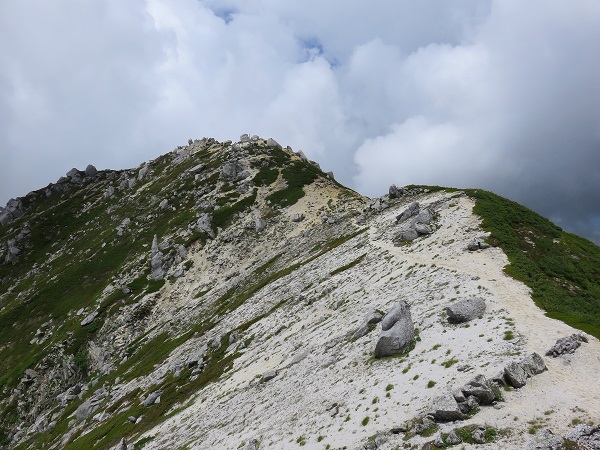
x=498 y=94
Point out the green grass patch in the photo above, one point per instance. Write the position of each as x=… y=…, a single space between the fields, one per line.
x=296 y=175
x=223 y=216
x=449 y=363
x=348 y=266
x=266 y=176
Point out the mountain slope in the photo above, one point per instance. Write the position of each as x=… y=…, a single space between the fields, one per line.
x=240 y=315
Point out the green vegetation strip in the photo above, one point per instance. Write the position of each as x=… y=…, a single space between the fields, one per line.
x=296 y=175
x=349 y=265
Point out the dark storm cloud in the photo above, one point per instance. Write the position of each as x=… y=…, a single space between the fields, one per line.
x=502 y=95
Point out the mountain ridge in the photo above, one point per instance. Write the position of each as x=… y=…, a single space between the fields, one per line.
x=140 y=271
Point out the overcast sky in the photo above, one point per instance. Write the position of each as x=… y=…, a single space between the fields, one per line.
x=503 y=95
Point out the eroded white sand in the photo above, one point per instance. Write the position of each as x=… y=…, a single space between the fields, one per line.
x=319 y=366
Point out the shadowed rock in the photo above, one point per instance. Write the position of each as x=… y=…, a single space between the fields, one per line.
x=90 y=171
x=479 y=387
x=398 y=331
x=268 y=375
x=566 y=345
x=152 y=398
x=515 y=375
x=396 y=192
x=445 y=408
x=533 y=364
x=410 y=211
x=156 y=261
x=478 y=244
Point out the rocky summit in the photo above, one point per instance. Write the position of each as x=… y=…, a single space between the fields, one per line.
x=232 y=295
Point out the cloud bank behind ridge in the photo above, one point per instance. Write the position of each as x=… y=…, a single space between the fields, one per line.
x=502 y=95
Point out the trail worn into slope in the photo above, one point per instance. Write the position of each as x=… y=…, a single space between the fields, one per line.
x=555 y=398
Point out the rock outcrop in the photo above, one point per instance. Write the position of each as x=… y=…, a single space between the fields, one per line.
x=566 y=345
x=397 y=331
x=156 y=261
x=12 y=211
x=445 y=408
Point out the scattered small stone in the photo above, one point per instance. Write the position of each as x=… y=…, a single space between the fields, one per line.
x=297 y=217
x=268 y=375
x=453 y=438
x=478 y=435
x=401 y=428
x=438 y=442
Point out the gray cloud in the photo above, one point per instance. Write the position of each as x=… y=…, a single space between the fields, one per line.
x=494 y=94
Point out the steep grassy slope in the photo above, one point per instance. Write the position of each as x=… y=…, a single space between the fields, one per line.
x=562 y=269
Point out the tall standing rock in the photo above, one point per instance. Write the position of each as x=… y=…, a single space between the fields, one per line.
x=397 y=331
x=156 y=261
x=90 y=171
x=204 y=224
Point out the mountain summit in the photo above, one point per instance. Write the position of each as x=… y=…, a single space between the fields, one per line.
x=233 y=295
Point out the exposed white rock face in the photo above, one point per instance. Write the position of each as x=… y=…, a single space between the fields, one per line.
x=262 y=331
x=310 y=342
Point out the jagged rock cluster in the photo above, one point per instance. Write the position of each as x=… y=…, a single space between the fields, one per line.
x=582 y=437
x=566 y=345
x=419 y=224
x=456 y=404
